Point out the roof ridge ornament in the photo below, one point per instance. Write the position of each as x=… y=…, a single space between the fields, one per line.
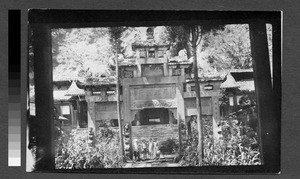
x=230 y=82
x=150 y=32
x=74 y=90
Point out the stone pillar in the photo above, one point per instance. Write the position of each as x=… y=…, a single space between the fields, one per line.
x=90 y=110
x=235 y=103
x=91 y=116
x=135 y=73
x=103 y=93
x=137 y=114
x=216 y=116
x=180 y=101
x=127 y=139
x=171 y=119
x=76 y=119
x=182 y=72
x=73 y=122
x=188 y=126
x=166 y=69
x=78 y=113
x=139 y=68
x=127 y=104
x=170 y=70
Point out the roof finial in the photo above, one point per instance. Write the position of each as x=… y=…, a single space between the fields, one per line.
x=150 y=32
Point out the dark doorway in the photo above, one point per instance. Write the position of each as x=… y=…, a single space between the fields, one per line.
x=82 y=110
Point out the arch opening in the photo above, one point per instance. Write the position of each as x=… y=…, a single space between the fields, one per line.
x=153 y=116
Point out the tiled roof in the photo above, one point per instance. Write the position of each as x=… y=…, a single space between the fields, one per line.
x=179 y=60
x=74 y=90
x=241 y=84
x=60 y=95
x=127 y=62
x=230 y=82
x=246 y=85
x=100 y=81
x=148 y=43
x=240 y=70
x=68 y=76
x=215 y=75
x=208 y=77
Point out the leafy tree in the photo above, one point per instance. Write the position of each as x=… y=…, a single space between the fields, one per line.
x=82 y=52
x=220 y=49
x=195 y=34
x=115 y=34
x=129 y=36
x=178 y=37
x=77 y=52
x=228 y=48
x=58 y=39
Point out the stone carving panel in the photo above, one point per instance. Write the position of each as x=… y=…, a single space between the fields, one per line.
x=153 y=97
x=100 y=98
x=152 y=70
x=154 y=104
x=153 y=93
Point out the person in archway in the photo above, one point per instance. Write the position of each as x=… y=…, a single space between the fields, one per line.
x=57 y=123
x=155 y=151
x=145 y=150
x=136 y=153
x=151 y=149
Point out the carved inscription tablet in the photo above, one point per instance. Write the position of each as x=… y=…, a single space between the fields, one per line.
x=160 y=96
x=153 y=92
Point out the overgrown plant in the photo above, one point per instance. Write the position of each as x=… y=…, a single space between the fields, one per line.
x=73 y=152
x=168 y=146
x=234 y=148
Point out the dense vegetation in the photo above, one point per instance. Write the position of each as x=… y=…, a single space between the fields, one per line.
x=73 y=150
x=238 y=145
x=86 y=52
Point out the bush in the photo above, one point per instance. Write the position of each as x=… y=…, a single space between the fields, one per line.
x=234 y=148
x=168 y=146
x=73 y=152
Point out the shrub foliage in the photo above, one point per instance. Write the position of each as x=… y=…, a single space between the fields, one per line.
x=237 y=146
x=168 y=146
x=73 y=150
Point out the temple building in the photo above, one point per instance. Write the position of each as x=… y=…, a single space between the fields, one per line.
x=239 y=90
